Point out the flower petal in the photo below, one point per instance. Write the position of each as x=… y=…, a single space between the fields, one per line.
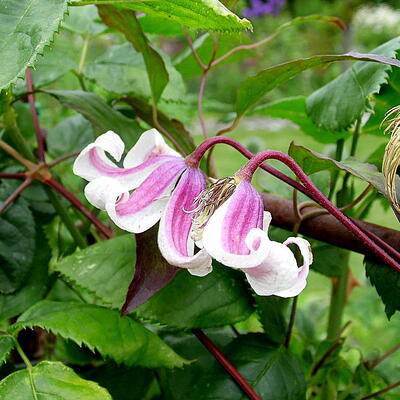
x=278 y=274
x=151 y=144
x=93 y=161
x=145 y=205
x=233 y=235
x=174 y=240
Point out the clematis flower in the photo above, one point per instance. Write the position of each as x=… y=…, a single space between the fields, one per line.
x=232 y=225
x=165 y=187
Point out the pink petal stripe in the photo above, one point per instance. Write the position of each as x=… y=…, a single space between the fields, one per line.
x=245 y=212
x=155 y=186
x=109 y=170
x=178 y=223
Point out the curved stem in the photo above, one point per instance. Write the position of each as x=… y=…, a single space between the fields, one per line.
x=379 y=392
x=291 y=322
x=314 y=194
x=194 y=52
x=226 y=364
x=373 y=363
x=248 y=170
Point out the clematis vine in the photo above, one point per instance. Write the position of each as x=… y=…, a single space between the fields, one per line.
x=155 y=183
x=232 y=225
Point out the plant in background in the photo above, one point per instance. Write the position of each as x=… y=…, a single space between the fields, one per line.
x=94 y=301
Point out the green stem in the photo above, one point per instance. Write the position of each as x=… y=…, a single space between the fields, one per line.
x=335 y=174
x=12 y=132
x=83 y=54
x=65 y=217
x=28 y=365
x=338 y=301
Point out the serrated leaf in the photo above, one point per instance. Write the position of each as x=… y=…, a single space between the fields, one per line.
x=386 y=282
x=122 y=339
x=311 y=162
x=121 y=70
x=218 y=299
x=102 y=117
x=26 y=27
x=104 y=268
x=201 y=14
x=256 y=87
x=294 y=109
x=152 y=271
x=273 y=371
x=52 y=66
x=17 y=241
x=34 y=287
x=70 y=135
x=6 y=345
x=50 y=380
x=337 y=105
x=83 y=20
x=126 y=22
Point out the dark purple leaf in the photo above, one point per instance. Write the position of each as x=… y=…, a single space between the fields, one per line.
x=152 y=272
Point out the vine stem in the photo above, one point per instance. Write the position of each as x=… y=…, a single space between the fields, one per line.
x=27 y=182
x=247 y=173
x=309 y=189
x=19 y=175
x=373 y=363
x=226 y=364
x=31 y=99
x=292 y=319
x=384 y=390
x=79 y=206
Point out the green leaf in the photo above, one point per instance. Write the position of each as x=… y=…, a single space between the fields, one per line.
x=118 y=378
x=102 y=117
x=50 y=380
x=273 y=371
x=83 y=20
x=27 y=26
x=70 y=135
x=34 y=287
x=6 y=345
x=126 y=22
x=294 y=109
x=144 y=111
x=386 y=282
x=328 y=260
x=121 y=70
x=17 y=241
x=123 y=339
x=272 y=312
x=256 y=87
x=337 y=105
x=159 y=26
x=311 y=162
x=201 y=14
x=218 y=299
x=104 y=268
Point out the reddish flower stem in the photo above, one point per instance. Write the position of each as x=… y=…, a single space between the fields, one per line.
x=20 y=175
x=248 y=170
x=78 y=205
x=313 y=193
x=35 y=118
x=27 y=182
x=226 y=364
